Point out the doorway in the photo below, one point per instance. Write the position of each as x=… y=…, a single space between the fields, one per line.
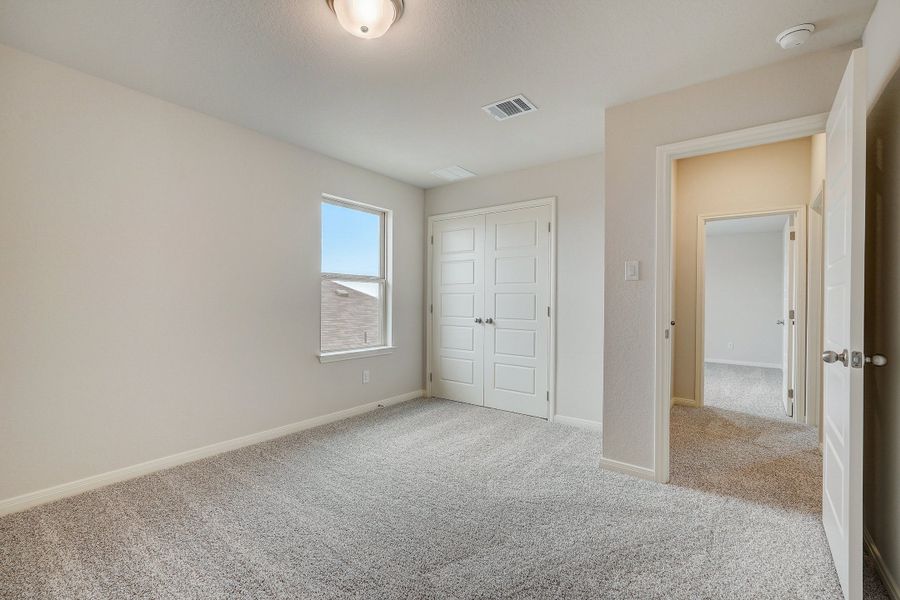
x=490 y=312
x=751 y=313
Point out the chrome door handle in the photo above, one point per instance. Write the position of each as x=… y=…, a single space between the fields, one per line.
x=830 y=356
x=779 y=322
x=876 y=360
x=489 y=321
x=478 y=320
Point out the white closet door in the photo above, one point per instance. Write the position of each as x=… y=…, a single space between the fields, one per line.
x=517 y=301
x=458 y=299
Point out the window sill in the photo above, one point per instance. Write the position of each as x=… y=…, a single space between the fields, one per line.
x=327 y=357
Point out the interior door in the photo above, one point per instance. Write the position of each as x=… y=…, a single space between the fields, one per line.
x=787 y=320
x=844 y=228
x=458 y=301
x=517 y=310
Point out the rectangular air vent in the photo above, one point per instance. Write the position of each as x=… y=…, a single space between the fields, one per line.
x=454 y=173
x=509 y=108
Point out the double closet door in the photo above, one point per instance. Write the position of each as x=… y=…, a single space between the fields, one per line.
x=491 y=309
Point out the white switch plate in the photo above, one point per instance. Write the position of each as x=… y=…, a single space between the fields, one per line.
x=365 y=376
x=632 y=270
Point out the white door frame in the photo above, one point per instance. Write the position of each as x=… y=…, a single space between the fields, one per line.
x=799 y=214
x=429 y=301
x=663 y=313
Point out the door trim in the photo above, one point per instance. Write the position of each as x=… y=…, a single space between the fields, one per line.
x=663 y=313
x=799 y=214
x=429 y=300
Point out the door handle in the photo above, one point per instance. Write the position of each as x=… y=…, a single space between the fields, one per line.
x=478 y=320
x=830 y=356
x=489 y=321
x=779 y=322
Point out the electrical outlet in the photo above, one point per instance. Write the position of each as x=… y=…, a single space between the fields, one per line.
x=365 y=376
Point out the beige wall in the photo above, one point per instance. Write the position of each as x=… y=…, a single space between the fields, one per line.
x=578 y=186
x=786 y=90
x=882 y=318
x=814 y=292
x=159 y=279
x=764 y=177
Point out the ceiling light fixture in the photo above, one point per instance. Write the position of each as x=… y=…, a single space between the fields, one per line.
x=366 y=19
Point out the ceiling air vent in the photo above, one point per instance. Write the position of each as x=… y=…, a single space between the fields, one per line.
x=454 y=173
x=509 y=108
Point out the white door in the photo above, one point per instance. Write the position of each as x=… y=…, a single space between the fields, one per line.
x=458 y=302
x=517 y=311
x=788 y=321
x=844 y=227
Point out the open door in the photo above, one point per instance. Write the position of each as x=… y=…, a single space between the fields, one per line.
x=844 y=231
x=789 y=319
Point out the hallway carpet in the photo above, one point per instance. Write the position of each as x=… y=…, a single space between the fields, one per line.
x=434 y=499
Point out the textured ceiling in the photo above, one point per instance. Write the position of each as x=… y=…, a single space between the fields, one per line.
x=409 y=103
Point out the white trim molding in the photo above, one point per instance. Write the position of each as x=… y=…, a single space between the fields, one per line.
x=580 y=423
x=57 y=492
x=628 y=469
x=887 y=578
x=327 y=357
x=663 y=310
x=688 y=402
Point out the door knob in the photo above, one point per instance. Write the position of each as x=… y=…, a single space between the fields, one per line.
x=478 y=320
x=779 y=322
x=830 y=356
x=489 y=321
x=876 y=360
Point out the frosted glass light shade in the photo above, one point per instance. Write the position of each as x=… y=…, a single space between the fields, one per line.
x=367 y=18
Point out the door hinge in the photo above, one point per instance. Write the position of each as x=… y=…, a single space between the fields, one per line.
x=548 y=395
x=793 y=235
x=548 y=311
x=429 y=377
x=548 y=227
x=432 y=240
x=431 y=309
x=790 y=394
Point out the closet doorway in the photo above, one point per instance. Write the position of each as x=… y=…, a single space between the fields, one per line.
x=490 y=307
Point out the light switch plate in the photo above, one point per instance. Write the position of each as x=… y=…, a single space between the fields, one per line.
x=632 y=270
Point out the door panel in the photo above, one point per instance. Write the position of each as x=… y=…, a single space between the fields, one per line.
x=517 y=296
x=458 y=299
x=844 y=230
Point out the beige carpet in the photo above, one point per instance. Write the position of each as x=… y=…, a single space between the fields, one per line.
x=434 y=499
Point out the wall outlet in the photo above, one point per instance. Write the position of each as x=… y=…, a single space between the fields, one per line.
x=365 y=376
x=632 y=270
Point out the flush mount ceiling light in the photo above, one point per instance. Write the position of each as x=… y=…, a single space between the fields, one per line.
x=795 y=36
x=366 y=18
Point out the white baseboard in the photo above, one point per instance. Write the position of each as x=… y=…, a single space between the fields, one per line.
x=689 y=402
x=57 y=492
x=890 y=583
x=628 y=469
x=743 y=363
x=580 y=423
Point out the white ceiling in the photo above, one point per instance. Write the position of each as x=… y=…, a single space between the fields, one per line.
x=410 y=102
x=747 y=225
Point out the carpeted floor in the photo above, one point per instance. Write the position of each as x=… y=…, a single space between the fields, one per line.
x=753 y=390
x=434 y=499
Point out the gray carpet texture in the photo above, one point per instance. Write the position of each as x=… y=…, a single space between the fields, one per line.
x=435 y=499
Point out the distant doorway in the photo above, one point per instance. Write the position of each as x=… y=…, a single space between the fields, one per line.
x=749 y=319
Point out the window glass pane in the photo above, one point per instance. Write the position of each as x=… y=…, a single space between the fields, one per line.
x=351 y=241
x=351 y=315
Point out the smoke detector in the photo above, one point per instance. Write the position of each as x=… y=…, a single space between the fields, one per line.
x=795 y=36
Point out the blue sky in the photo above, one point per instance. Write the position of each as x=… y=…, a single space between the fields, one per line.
x=350 y=240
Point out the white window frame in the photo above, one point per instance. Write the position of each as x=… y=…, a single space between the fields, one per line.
x=386 y=280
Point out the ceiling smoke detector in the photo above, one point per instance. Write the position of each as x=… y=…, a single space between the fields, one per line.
x=795 y=36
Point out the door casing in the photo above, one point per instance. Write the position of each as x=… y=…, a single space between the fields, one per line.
x=429 y=300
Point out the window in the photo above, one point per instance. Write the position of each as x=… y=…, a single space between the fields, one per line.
x=355 y=284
